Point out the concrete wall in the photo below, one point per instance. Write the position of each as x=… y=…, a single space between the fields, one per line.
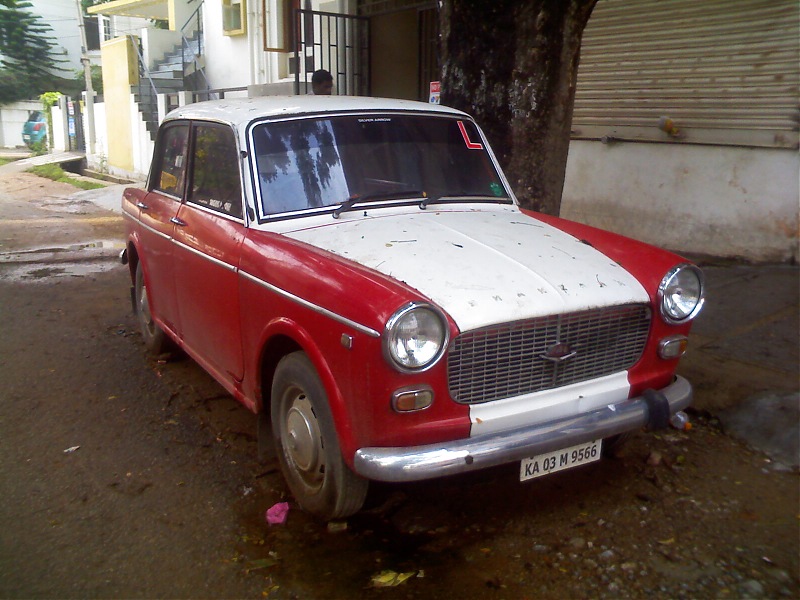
x=120 y=71
x=62 y=17
x=156 y=43
x=714 y=200
x=235 y=69
x=12 y=118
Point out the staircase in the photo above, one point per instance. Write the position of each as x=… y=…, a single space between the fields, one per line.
x=182 y=69
x=179 y=70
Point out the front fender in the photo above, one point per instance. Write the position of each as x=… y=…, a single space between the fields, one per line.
x=283 y=335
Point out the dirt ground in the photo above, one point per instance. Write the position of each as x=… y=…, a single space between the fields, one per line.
x=126 y=476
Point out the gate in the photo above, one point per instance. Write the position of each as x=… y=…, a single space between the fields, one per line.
x=75 y=139
x=335 y=42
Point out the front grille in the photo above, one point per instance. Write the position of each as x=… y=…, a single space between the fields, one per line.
x=511 y=359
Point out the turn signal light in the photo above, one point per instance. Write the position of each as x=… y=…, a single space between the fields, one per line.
x=412 y=399
x=672 y=347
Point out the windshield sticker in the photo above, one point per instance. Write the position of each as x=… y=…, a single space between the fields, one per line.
x=471 y=145
x=376 y=120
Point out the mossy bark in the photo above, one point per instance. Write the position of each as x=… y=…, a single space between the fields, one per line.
x=514 y=65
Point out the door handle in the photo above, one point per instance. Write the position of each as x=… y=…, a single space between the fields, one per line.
x=142 y=205
x=178 y=222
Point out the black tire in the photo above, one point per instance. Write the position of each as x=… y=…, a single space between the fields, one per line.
x=306 y=443
x=154 y=337
x=612 y=446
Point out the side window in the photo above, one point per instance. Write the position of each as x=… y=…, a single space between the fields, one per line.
x=215 y=171
x=171 y=172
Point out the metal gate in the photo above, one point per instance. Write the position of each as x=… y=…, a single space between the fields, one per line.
x=75 y=139
x=334 y=42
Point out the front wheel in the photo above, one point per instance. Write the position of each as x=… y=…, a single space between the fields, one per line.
x=307 y=445
x=154 y=337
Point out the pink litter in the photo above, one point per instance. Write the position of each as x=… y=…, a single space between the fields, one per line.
x=278 y=513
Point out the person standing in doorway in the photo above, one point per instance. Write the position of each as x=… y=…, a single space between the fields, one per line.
x=321 y=83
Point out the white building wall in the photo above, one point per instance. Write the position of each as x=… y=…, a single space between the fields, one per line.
x=12 y=118
x=62 y=17
x=721 y=201
x=235 y=68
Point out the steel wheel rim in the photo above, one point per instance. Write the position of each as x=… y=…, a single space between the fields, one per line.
x=144 y=311
x=303 y=441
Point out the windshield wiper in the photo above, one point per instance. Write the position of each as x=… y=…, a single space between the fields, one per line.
x=356 y=198
x=466 y=197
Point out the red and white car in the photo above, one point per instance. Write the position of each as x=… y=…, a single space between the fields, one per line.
x=358 y=272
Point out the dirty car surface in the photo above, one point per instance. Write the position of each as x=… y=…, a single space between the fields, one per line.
x=359 y=273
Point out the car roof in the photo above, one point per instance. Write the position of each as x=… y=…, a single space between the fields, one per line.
x=240 y=111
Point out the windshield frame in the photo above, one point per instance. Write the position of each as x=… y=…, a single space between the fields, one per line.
x=261 y=217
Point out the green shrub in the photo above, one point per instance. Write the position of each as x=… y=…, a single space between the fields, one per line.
x=56 y=173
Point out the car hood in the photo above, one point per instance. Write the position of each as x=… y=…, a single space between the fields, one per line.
x=482 y=266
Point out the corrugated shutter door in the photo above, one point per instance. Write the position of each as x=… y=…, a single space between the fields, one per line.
x=723 y=71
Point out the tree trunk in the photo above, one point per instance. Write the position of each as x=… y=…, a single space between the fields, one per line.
x=513 y=65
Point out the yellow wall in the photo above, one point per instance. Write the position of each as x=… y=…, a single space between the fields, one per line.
x=120 y=72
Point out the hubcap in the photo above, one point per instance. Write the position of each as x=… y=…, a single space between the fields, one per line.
x=303 y=441
x=144 y=306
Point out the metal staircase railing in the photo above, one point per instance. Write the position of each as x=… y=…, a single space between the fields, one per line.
x=190 y=60
x=146 y=96
x=190 y=77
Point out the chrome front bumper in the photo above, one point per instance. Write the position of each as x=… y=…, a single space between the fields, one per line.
x=652 y=409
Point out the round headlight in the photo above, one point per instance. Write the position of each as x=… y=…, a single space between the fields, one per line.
x=415 y=337
x=681 y=294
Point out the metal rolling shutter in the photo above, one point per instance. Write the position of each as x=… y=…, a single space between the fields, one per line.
x=725 y=72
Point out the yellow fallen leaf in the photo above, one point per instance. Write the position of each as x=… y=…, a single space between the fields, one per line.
x=390 y=578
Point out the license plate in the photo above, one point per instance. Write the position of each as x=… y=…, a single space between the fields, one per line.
x=544 y=464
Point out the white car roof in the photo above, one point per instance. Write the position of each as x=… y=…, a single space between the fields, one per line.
x=240 y=111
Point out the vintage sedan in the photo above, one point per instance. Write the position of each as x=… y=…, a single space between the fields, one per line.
x=358 y=272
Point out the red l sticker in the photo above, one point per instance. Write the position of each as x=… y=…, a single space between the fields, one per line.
x=471 y=145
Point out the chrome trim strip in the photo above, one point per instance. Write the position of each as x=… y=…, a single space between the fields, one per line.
x=459 y=456
x=160 y=234
x=316 y=308
x=196 y=252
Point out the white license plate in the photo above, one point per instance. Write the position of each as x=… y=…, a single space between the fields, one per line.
x=544 y=464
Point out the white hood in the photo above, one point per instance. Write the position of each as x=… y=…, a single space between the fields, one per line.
x=482 y=266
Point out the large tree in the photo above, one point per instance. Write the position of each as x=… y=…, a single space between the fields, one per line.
x=26 y=53
x=513 y=64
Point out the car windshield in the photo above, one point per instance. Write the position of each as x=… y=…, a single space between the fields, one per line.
x=319 y=162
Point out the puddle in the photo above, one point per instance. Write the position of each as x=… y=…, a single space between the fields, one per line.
x=39 y=272
x=71 y=252
x=57 y=262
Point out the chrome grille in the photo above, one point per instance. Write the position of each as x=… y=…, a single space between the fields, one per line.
x=511 y=359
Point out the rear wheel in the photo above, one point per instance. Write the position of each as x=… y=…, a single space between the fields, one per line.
x=154 y=337
x=307 y=445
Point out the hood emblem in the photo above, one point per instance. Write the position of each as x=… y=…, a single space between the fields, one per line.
x=559 y=352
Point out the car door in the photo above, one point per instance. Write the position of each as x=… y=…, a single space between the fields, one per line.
x=157 y=211
x=208 y=234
